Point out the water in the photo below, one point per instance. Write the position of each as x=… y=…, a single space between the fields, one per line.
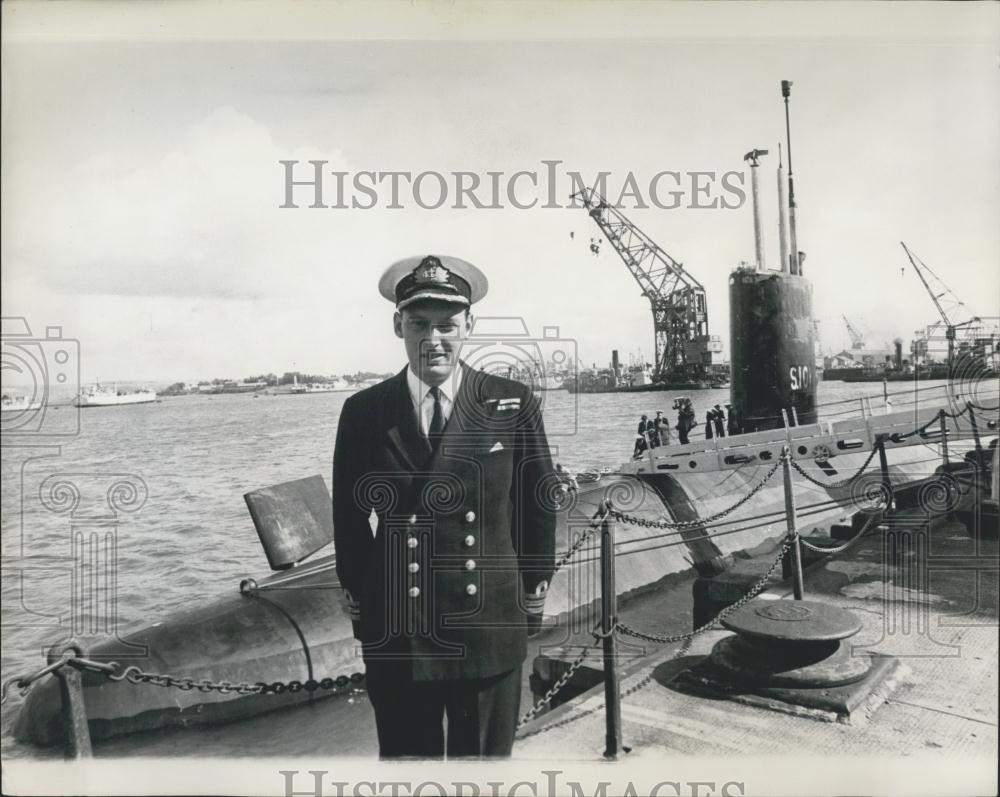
x=191 y=459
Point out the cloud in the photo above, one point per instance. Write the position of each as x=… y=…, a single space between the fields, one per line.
x=199 y=222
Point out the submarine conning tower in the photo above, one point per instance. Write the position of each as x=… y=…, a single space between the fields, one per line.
x=771 y=348
x=771 y=328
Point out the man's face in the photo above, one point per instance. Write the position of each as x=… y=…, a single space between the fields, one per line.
x=432 y=333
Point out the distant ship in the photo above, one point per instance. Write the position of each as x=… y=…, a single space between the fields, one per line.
x=18 y=404
x=297 y=388
x=102 y=396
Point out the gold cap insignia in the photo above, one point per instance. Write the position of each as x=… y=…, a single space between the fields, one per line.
x=430 y=270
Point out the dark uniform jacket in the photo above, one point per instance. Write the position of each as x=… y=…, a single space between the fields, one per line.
x=464 y=535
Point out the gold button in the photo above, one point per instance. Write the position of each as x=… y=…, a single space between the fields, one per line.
x=470 y=589
x=470 y=565
x=411 y=542
x=413 y=567
x=470 y=516
x=413 y=520
x=414 y=592
x=469 y=540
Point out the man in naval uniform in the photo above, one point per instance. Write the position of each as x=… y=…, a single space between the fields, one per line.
x=443 y=502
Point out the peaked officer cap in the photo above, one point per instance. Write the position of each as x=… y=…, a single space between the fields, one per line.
x=446 y=279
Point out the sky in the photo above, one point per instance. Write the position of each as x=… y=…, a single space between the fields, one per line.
x=142 y=180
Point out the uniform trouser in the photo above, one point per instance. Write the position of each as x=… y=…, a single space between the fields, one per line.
x=409 y=715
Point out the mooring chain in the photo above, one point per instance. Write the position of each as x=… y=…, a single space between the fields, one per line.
x=642 y=683
x=693 y=524
x=25 y=682
x=134 y=675
x=563 y=679
x=595 y=524
x=841 y=548
x=843 y=482
x=753 y=592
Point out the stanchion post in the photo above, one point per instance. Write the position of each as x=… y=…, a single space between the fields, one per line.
x=793 y=534
x=883 y=464
x=609 y=619
x=943 y=421
x=975 y=432
x=73 y=709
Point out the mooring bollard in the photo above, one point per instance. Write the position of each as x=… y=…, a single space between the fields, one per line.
x=73 y=709
x=793 y=534
x=609 y=620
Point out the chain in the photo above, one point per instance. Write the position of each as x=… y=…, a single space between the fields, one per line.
x=135 y=675
x=693 y=524
x=578 y=544
x=18 y=680
x=841 y=548
x=562 y=680
x=749 y=596
x=899 y=438
x=638 y=685
x=842 y=482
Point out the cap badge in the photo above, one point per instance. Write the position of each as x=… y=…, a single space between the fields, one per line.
x=431 y=270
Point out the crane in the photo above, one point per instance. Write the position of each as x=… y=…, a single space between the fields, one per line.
x=946 y=309
x=857 y=338
x=680 y=313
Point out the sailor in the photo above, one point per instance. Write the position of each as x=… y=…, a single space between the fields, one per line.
x=444 y=526
x=642 y=439
x=640 y=446
x=719 y=420
x=685 y=421
x=662 y=429
x=655 y=428
x=709 y=423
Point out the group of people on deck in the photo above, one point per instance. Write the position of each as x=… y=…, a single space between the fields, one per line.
x=655 y=432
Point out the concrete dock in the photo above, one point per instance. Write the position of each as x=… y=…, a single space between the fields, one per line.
x=926 y=593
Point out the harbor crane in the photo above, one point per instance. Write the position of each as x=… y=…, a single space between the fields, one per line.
x=947 y=308
x=680 y=313
x=857 y=338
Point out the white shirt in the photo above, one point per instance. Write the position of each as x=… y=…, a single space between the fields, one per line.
x=423 y=401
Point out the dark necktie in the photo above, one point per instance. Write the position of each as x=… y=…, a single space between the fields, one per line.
x=437 y=419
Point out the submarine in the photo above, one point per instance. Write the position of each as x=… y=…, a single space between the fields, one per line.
x=282 y=639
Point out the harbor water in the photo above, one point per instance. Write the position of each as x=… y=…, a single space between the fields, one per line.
x=181 y=530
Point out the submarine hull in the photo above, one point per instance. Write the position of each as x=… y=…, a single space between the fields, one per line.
x=300 y=630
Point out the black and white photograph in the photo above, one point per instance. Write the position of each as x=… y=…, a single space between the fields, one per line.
x=500 y=398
